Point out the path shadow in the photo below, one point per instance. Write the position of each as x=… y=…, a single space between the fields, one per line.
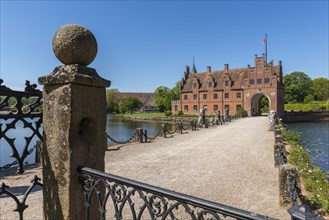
x=12 y=171
x=20 y=190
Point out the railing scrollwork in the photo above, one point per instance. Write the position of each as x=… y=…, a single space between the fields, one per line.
x=20 y=107
x=143 y=201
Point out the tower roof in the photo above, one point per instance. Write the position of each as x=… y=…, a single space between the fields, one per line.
x=193 y=67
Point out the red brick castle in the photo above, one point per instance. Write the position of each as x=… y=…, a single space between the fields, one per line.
x=232 y=89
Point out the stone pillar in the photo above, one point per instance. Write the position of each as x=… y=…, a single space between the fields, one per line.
x=285 y=171
x=277 y=148
x=164 y=131
x=139 y=135
x=74 y=122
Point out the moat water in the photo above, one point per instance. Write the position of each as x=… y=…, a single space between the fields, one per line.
x=118 y=128
x=314 y=135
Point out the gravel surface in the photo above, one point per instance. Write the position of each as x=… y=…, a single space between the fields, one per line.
x=230 y=164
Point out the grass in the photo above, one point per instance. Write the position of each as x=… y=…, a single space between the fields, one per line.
x=314 y=179
x=145 y=114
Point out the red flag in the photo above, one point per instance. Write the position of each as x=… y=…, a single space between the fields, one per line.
x=264 y=41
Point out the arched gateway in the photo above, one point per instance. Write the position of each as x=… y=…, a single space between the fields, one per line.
x=232 y=89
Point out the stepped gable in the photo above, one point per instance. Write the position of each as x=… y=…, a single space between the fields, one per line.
x=236 y=75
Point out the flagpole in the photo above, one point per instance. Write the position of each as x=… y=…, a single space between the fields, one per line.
x=266 y=47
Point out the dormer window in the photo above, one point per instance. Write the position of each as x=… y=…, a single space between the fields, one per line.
x=226 y=83
x=210 y=84
x=194 y=85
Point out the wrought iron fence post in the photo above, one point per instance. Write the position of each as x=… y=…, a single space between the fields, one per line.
x=74 y=124
x=145 y=135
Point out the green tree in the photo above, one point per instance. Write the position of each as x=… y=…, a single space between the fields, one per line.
x=264 y=105
x=309 y=98
x=320 y=89
x=113 y=100
x=130 y=105
x=175 y=91
x=162 y=96
x=298 y=86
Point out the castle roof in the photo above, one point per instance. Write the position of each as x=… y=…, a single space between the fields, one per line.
x=235 y=76
x=193 y=69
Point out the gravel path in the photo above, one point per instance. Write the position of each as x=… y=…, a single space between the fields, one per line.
x=230 y=164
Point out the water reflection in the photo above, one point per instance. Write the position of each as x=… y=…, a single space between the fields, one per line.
x=121 y=129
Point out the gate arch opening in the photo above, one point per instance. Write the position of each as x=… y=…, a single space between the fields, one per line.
x=260 y=103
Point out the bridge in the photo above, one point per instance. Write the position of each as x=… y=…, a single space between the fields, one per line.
x=231 y=164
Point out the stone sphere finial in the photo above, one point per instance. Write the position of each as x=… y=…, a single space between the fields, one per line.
x=74 y=44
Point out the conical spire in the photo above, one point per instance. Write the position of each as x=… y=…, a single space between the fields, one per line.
x=193 y=68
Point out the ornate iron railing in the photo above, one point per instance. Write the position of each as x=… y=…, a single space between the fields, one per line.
x=20 y=107
x=135 y=200
x=20 y=204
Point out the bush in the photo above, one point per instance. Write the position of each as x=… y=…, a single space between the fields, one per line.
x=180 y=113
x=305 y=107
x=168 y=113
x=241 y=113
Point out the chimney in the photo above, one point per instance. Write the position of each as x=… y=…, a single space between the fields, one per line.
x=280 y=62
x=226 y=66
x=248 y=66
x=209 y=69
x=188 y=69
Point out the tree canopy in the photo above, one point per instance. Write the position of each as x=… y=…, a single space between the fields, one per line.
x=298 y=86
x=113 y=100
x=130 y=105
x=320 y=89
x=163 y=96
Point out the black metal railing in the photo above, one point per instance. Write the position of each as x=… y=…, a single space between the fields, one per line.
x=20 y=107
x=135 y=200
x=20 y=204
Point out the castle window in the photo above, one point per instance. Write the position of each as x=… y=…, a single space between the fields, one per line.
x=204 y=96
x=238 y=95
x=252 y=81
x=195 y=97
x=267 y=80
x=205 y=107
x=176 y=108
x=185 y=108
x=238 y=107
x=226 y=95
x=195 y=108
x=226 y=83
x=185 y=97
x=194 y=85
x=215 y=107
x=209 y=84
x=215 y=96
x=259 y=81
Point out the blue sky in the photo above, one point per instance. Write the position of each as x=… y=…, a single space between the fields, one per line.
x=145 y=44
